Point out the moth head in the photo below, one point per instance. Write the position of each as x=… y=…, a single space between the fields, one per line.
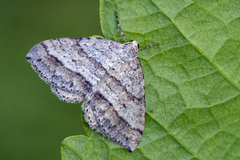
x=130 y=50
x=135 y=43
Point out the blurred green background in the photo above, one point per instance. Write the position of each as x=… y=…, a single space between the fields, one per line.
x=33 y=121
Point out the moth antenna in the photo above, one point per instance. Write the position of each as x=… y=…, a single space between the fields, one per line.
x=149 y=47
x=123 y=36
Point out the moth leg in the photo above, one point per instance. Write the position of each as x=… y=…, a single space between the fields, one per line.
x=123 y=36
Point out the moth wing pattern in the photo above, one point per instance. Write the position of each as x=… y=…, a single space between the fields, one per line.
x=107 y=73
x=101 y=115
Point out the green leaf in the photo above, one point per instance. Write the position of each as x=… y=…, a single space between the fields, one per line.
x=192 y=80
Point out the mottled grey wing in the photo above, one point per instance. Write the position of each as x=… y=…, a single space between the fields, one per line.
x=116 y=112
x=67 y=66
x=101 y=115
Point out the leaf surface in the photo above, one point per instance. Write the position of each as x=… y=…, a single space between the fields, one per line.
x=192 y=80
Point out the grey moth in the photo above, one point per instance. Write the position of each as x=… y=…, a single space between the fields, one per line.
x=106 y=73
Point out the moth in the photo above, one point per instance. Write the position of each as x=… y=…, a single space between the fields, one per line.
x=105 y=73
